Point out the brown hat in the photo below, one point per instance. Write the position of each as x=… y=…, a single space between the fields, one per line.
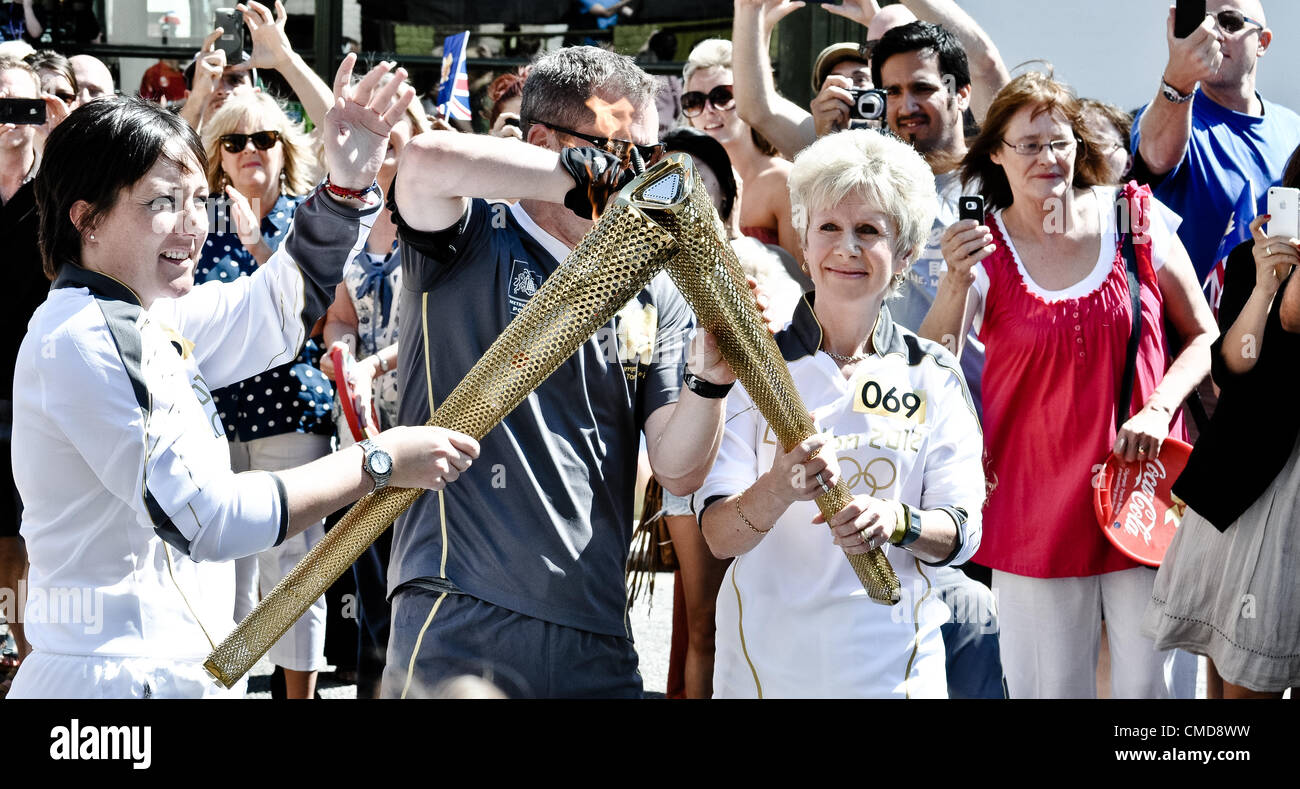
x=832 y=56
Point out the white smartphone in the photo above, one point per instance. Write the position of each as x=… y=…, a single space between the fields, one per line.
x=1284 y=212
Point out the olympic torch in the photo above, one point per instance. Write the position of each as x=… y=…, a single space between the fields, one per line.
x=663 y=217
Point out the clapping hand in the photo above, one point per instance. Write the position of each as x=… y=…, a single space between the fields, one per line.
x=356 y=128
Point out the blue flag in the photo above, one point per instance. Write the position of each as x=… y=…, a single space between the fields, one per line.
x=453 y=89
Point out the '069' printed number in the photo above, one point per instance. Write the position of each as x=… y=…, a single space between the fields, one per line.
x=875 y=398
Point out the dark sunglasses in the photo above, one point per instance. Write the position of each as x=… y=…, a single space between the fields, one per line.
x=720 y=97
x=620 y=148
x=1231 y=21
x=263 y=140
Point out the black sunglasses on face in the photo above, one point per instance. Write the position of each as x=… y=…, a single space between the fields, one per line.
x=620 y=148
x=1231 y=21
x=263 y=140
x=721 y=97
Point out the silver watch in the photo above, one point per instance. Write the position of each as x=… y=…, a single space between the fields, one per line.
x=377 y=463
x=1171 y=93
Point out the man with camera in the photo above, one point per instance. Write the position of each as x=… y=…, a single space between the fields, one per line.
x=841 y=72
x=1202 y=146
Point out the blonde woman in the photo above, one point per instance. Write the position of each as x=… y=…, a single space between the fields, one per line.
x=264 y=166
x=709 y=104
x=792 y=617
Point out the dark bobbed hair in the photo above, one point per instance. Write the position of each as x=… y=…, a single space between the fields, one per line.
x=704 y=148
x=922 y=37
x=99 y=150
x=1044 y=94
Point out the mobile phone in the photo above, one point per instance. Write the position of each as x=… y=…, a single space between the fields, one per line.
x=971 y=207
x=231 y=42
x=1284 y=212
x=868 y=105
x=1188 y=16
x=28 y=111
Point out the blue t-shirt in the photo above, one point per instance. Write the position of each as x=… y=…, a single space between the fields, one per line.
x=291 y=398
x=1227 y=151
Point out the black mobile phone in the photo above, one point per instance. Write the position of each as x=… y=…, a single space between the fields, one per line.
x=231 y=42
x=29 y=111
x=868 y=105
x=971 y=207
x=1188 y=16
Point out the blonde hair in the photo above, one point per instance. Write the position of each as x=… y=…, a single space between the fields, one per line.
x=883 y=170
x=300 y=161
x=709 y=53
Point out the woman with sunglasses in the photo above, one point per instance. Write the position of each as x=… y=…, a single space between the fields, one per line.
x=263 y=166
x=1048 y=291
x=709 y=104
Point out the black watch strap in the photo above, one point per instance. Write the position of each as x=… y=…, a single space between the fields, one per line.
x=705 y=389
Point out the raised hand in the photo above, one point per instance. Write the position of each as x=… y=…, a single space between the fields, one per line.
x=964 y=244
x=1274 y=257
x=770 y=11
x=1192 y=59
x=860 y=11
x=830 y=107
x=271 y=46
x=356 y=128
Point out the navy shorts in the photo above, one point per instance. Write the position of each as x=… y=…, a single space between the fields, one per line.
x=524 y=657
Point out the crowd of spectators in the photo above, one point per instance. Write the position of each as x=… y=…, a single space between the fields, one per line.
x=950 y=359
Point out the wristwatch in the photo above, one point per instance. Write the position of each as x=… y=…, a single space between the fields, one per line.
x=1171 y=93
x=705 y=389
x=377 y=463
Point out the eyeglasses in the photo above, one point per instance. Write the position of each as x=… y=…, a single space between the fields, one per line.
x=1232 y=21
x=263 y=140
x=1057 y=147
x=721 y=97
x=620 y=148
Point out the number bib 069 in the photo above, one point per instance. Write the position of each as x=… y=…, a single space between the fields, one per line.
x=872 y=396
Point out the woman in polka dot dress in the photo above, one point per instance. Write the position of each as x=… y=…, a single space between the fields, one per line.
x=264 y=166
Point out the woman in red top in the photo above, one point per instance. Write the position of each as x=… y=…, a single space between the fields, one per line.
x=1044 y=283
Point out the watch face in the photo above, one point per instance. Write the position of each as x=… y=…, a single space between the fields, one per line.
x=380 y=462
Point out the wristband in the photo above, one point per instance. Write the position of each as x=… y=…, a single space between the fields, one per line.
x=355 y=194
x=705 y=389
x=912 y=532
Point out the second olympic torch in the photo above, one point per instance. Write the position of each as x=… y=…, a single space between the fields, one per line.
x=661 y=219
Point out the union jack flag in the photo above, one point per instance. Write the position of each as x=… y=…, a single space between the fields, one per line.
x=1238 y=230
x=453 y=89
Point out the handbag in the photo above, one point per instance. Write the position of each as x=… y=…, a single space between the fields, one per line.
x=652 y=546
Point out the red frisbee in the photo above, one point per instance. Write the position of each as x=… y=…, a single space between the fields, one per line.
x=358 y=410
x=1135 y=503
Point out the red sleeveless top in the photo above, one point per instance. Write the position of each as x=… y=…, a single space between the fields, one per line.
x=1051 y=377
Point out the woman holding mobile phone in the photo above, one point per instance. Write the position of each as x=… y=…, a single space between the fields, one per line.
x=1044 y=281
x=1227 y=588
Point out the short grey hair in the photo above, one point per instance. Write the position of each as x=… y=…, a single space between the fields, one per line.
x=561 y=82
x=881 y=169
x=709 y=53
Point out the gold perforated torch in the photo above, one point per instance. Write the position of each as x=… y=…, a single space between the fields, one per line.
x=663 y=215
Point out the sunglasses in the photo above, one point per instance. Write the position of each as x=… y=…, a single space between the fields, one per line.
x=620 y=148
x=1232 y=21
x=721 y=98
x=263 y=140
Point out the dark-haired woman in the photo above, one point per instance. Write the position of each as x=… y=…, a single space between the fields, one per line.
x=1047 y=288
x=1227 y=588
x=132 y=507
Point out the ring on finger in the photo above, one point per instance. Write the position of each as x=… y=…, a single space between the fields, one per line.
x=826 y=488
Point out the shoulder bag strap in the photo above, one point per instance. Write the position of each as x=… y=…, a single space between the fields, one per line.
x=1122 y=406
